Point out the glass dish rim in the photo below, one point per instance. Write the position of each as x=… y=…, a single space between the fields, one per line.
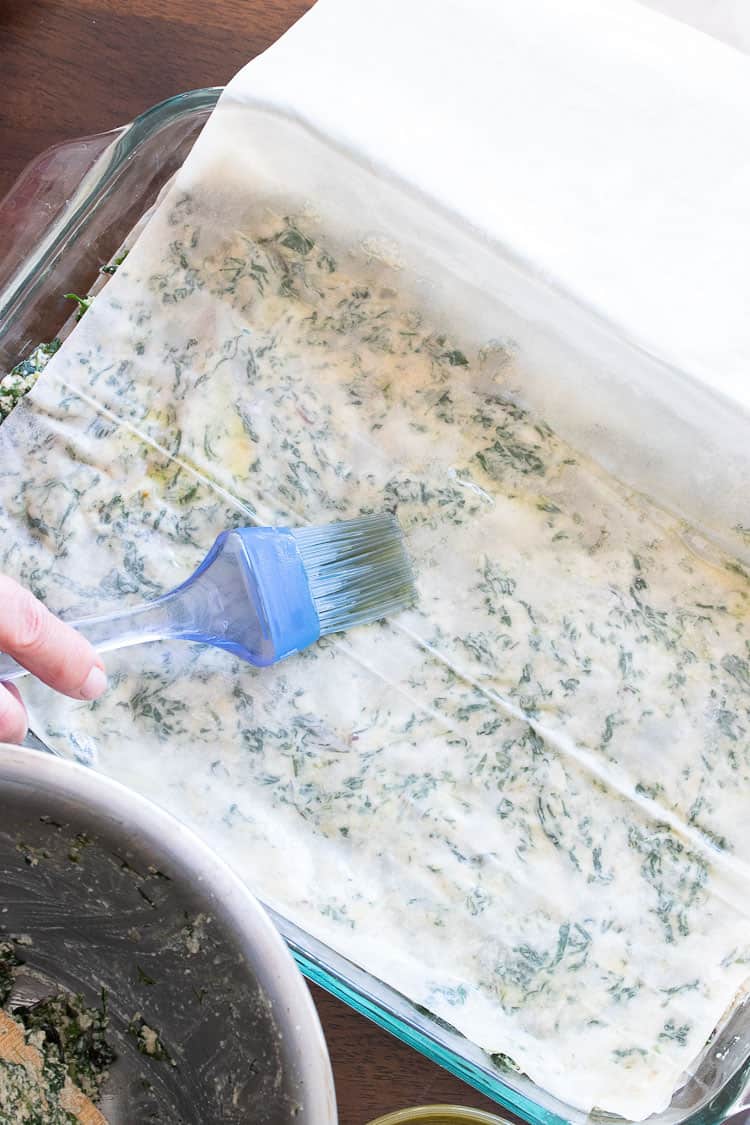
x=318 y=962
x=95 y=188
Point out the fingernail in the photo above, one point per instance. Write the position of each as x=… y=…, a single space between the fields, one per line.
x=94 y=684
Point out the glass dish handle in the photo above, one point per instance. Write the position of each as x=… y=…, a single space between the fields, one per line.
x=45 y=188
x=740 y=1115
x=739 y=1112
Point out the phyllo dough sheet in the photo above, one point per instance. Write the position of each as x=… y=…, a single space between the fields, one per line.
x=521 y=804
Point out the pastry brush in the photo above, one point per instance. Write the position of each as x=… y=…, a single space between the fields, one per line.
x=263 y=592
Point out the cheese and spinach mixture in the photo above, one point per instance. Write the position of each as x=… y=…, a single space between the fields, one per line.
x=523 y=803
x=54 y=1054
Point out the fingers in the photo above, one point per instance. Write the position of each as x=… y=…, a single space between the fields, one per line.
x=13 y=720
x=47 y=647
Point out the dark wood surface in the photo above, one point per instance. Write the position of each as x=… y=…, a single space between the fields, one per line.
x=74 y=67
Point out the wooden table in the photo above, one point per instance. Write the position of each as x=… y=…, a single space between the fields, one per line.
x=72 y=67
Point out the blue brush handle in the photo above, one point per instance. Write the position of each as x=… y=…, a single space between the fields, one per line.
x=250 y=595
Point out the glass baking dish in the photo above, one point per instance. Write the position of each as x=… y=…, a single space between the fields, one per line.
x=65 y=218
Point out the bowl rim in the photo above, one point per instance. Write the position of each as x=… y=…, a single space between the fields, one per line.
x=428 y=1113
x=109 y=800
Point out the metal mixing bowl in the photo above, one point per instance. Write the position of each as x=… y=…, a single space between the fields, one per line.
x=100 y=889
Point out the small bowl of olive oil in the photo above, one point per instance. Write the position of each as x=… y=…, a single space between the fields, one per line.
x=440 y=1115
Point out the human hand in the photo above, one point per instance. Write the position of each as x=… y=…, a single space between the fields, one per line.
x=51 y=650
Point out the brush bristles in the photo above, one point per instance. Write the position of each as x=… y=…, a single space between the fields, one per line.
x=358 y=570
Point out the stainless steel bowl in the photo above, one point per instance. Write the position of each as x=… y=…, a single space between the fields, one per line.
x=101 y=889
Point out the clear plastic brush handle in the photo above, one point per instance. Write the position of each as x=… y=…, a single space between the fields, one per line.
x=249 y=596
x=152 y=621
